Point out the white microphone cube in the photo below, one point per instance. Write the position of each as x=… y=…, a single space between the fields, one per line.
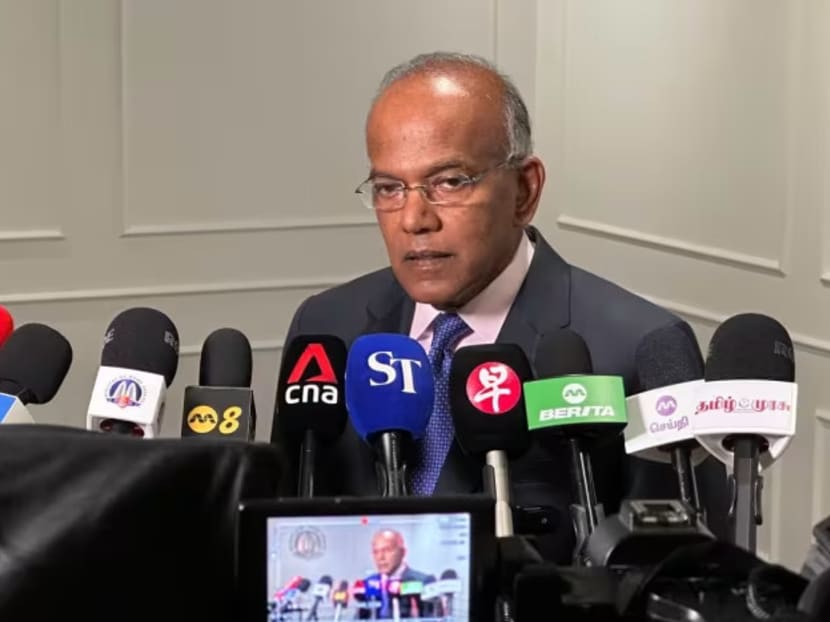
x=127 y=395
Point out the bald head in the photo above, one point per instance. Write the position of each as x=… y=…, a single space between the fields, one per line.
x=388 y=550
x=450 y=72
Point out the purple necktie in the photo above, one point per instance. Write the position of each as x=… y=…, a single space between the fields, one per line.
x=447 y=330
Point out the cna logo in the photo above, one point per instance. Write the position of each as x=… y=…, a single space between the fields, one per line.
x=125 y=391
x=387 y=364
x=574 y=393
x=493 y=388
x=666 y=406
x=307 y=543
x=312 y=380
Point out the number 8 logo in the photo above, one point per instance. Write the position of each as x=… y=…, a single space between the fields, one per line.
x=230 y=420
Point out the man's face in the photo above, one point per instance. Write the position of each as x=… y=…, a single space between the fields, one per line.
x=428 y=125
x=387 y=552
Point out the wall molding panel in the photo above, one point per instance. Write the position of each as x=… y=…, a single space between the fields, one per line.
x=32 y=235
x=816 y=345
x=681 y=247
x=821 y=447
x=192 y=289
x=253 y=226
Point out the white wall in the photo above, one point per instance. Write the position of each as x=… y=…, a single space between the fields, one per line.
x=686 y=145
x=199 y=156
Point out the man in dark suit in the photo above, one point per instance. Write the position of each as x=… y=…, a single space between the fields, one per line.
x=454 y=186
x=389 y=555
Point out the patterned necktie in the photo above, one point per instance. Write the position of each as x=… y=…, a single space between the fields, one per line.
x=447 y=330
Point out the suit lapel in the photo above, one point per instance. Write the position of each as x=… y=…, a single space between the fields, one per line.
x=541 y=305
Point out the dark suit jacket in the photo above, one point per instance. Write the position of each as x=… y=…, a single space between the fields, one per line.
x=554 y=295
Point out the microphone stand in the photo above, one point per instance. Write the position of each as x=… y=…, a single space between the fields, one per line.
x=587 y=512
x=746 y=483
x=681 y=460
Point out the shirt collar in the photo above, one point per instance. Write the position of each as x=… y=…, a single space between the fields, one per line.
x=491 y=304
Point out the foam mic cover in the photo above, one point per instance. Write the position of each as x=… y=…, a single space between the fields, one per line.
x=226 y=360
x=666 y=356
x=750 y=346
x=34 y=362
x=143 y=339
x=389 y=385
x=486 y=398
x=562 y=353
x=6 y=324
x=311 y=387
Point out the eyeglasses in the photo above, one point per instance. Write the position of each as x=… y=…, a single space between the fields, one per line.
x=388 y=195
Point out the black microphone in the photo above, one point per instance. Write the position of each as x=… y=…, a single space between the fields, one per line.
x=488 y=412
x=748 y=348
x=450 y=585
x=138 y=362
x=222 y=406
x=311 y=405
x=34 y=361
x=586 y=410
x=666 y=357
x=321 y=592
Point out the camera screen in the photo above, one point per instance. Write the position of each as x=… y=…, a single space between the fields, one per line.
x=371 y=567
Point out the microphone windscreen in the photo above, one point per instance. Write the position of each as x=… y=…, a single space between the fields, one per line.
x=226 y=360
x=486 y=399
x=6 y=324
x=304 y=585
x=326 y=579
x=143 y=339
x=449 y=574
x=668 y=355
x=36 y=359
x=562 y=353
x=389 y=385
x=311 y=388
x=750 y=346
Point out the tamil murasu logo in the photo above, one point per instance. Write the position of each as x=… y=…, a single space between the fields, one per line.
x=307 y=543
x=125 y=391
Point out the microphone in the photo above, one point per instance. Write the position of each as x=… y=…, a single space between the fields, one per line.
x=401 y=590
x=311 y=405
x=340 y=598
x=222 y=406
x=745 y=414
x=34 y=361
x=670 y=371
x=389 y=396
x=138 y=363
x=581 y=408
x=320 y=591
x=488 y=412
x=444 y=590
x=6 y=324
